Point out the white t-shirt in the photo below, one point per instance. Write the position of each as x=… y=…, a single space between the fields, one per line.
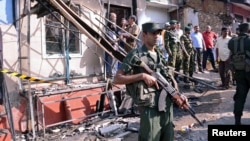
x=222 y=45
x=178 y=33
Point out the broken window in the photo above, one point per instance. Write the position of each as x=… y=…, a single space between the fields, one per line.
x=61 y=35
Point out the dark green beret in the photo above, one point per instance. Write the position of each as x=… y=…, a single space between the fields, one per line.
x=151 y=27
x=173 y=22
x=187 y=28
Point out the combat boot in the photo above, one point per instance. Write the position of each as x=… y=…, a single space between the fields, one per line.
x=237 y=120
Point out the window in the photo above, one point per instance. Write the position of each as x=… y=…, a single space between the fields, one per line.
x=59 y=38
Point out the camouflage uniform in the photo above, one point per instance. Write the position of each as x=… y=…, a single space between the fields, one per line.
x=172 y=45
x=154 y=125
x=188 y=62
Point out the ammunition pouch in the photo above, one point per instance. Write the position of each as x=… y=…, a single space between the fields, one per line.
x=141 y=94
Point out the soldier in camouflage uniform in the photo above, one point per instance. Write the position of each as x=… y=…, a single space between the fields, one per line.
x=172 y=45
x=155 y=125
x=188 y=59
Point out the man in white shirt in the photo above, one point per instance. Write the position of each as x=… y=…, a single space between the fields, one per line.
x=223 y=54
x=199 y=45
x=178 y=30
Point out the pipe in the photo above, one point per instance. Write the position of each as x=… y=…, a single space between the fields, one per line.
x=67 y=57
x=29 y=72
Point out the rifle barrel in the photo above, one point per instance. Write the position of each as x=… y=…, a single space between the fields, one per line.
x=193 y=115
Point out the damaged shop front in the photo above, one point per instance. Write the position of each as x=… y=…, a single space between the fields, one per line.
x=53 y=68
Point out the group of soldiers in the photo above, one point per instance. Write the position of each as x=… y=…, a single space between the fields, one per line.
x=178 y=46
x=146 y=79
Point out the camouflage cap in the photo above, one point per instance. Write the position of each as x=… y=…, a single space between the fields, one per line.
x=173 y=22
x=151 y=27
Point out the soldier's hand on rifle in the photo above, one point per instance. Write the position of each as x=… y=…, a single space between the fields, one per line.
x=150 y=80
x=181 y=101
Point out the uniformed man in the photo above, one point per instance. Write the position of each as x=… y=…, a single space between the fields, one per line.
x=188 y=57
x=240 y=58
x=172 y=45
x=155 y=125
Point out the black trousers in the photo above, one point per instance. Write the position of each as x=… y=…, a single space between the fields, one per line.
x=198 y=58
x=209 y=53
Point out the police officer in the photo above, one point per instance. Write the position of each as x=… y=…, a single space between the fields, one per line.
x=188 y=57
x=240 y=58
x=172 y=45
x=155 y=125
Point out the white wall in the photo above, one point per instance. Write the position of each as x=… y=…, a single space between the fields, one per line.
x=151 y=13
x=91 y=61
x=190 y=16
x=10 y=60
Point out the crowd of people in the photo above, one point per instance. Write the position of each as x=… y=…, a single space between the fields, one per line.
x=187 y=49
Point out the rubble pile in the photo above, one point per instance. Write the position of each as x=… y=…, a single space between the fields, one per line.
x=96 y=129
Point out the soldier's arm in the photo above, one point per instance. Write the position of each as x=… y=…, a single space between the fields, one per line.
x=121 y=78
x=182 y=40
x=183 y=46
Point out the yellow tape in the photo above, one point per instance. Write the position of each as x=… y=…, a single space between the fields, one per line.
x=22 y=76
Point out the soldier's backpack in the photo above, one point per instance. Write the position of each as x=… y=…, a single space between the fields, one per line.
x=239 y=56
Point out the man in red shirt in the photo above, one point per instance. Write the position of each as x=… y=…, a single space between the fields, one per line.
x=209 y=38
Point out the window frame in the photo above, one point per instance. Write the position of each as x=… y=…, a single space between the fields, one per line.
x=63 y=54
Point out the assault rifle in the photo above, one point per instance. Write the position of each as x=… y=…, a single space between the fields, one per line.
x=168 y=89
